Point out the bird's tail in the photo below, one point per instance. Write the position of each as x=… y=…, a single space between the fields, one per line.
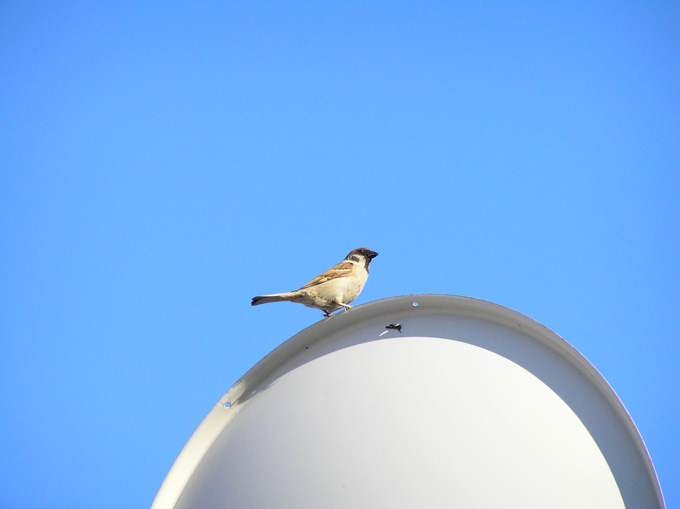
x=264 y=299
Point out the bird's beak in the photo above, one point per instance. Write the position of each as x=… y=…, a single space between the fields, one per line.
x=372 y=254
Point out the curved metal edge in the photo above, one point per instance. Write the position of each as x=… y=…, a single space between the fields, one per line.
x=228 y=405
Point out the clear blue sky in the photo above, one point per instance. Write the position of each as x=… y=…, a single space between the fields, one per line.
x=163 y=163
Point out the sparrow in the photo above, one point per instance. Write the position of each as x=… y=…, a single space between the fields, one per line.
x=332 y=290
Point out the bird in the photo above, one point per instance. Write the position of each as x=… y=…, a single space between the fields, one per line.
x=332 y=290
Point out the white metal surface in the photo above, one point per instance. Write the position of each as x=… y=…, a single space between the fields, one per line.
x=470 y=405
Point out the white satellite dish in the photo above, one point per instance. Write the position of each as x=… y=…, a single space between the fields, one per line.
x=417 y=401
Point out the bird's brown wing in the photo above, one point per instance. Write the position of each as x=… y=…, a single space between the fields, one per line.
x=342 y=269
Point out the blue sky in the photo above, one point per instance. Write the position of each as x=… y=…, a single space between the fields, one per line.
x=162 y=164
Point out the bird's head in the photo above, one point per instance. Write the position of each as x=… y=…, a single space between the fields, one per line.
x=362 y=254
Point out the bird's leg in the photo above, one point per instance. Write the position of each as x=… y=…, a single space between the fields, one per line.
x=346 y=306
x=326 y=313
